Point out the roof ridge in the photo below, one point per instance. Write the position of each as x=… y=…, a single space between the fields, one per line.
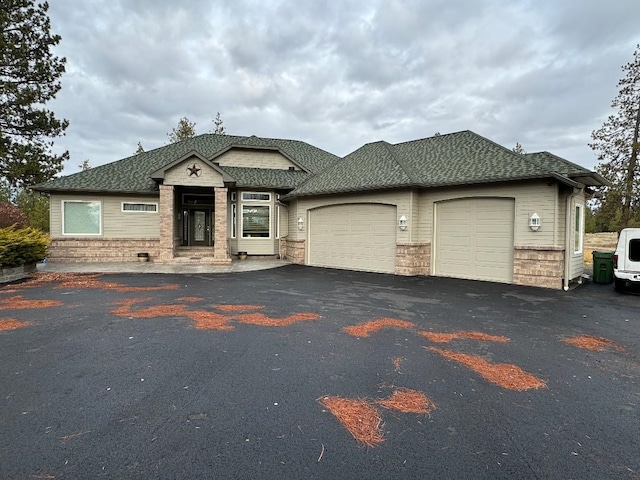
x=408 y=171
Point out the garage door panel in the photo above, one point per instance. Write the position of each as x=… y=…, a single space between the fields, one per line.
x=482 y=247
x=354 y=236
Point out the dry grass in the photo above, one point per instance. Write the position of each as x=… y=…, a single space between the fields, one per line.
x=21 y=303
x=605 y=241
x=504 y=375
x=11 y=324
x=406 y=400
x=366 y=328
x=590 y=342
x=437 y=337
x=356 y=415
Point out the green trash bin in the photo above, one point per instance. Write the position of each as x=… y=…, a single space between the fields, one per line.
x=603 y=267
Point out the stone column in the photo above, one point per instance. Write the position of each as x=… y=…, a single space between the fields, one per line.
x=167 y=222
x=220 y=233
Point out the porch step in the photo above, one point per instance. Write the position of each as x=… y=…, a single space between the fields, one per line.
x=195 y=253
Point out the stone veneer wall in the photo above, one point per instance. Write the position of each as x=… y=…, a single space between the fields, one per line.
x=538 y=266
x=101 y=250
x=413 y=259
x=292 y=250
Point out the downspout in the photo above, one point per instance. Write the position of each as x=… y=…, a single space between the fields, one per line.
x=567 y=239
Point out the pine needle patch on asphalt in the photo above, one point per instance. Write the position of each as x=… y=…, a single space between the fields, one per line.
x=406 y=400
x=366 y=328
x=597 y=344
x=361 y=419
x=21 y=303
x=11 y=324
x=505 y=375
x=438 y=337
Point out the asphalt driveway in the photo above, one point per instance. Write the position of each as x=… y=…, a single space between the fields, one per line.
x=229 y=376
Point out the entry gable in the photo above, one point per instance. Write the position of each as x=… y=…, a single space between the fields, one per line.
x=261 y=157
x=192 y=169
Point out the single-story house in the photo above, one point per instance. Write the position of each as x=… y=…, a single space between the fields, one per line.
x=456 y=205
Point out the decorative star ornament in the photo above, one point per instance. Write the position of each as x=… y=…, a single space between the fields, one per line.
x=194 y=170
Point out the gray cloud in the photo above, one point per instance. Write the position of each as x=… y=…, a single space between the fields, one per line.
x=340 y=74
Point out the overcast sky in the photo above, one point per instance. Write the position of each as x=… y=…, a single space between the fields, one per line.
x=339 y=74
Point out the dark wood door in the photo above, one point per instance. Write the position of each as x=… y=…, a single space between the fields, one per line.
x=200 y=227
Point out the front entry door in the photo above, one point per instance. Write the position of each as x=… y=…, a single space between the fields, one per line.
x=200 y=228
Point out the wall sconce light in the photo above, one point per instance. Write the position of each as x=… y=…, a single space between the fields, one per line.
x=300 y=223
x=534 y=222
x=402 y=223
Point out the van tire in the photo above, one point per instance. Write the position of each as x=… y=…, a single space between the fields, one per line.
x=619 y=284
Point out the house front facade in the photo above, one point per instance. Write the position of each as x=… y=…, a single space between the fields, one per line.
x=453 y=205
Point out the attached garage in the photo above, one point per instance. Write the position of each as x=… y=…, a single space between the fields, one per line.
x=359 y=236
x=474 y=239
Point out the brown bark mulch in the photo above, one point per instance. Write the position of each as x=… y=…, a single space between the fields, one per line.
x=505 y=375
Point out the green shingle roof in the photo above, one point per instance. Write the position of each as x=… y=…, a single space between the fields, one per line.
x=443 y=160
x=132 y=174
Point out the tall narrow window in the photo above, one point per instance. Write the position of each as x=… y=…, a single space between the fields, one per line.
x=234 y=220
x=579 y=230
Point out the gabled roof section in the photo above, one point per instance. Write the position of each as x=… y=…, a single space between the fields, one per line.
x=159 y=174
x=453 y=159
x=462 y=158
x=134 y=174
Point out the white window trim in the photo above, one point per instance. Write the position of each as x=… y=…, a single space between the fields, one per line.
x=99 y=234
x=249 y=204
x=578 y=229
x=234 y=220
x=252 y=200
x=122 y=209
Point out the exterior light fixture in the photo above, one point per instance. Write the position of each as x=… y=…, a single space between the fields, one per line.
x=535 y=222
x=402 y=223
x=300 y=223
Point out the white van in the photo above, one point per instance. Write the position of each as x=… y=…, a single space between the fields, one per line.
x=626 y=260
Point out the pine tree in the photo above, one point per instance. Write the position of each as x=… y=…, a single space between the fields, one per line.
x=185 y=129
x=518 y=149
x=85 y=165
x=617 y=143
x=218 y=125
x=29 y=78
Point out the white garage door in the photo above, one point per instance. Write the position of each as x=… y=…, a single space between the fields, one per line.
x=474 y=239
x=354 y=236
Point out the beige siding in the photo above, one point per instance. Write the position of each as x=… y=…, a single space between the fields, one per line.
x=530 y=197
x=178 y=175
x=254 y=159
x=115 y=223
